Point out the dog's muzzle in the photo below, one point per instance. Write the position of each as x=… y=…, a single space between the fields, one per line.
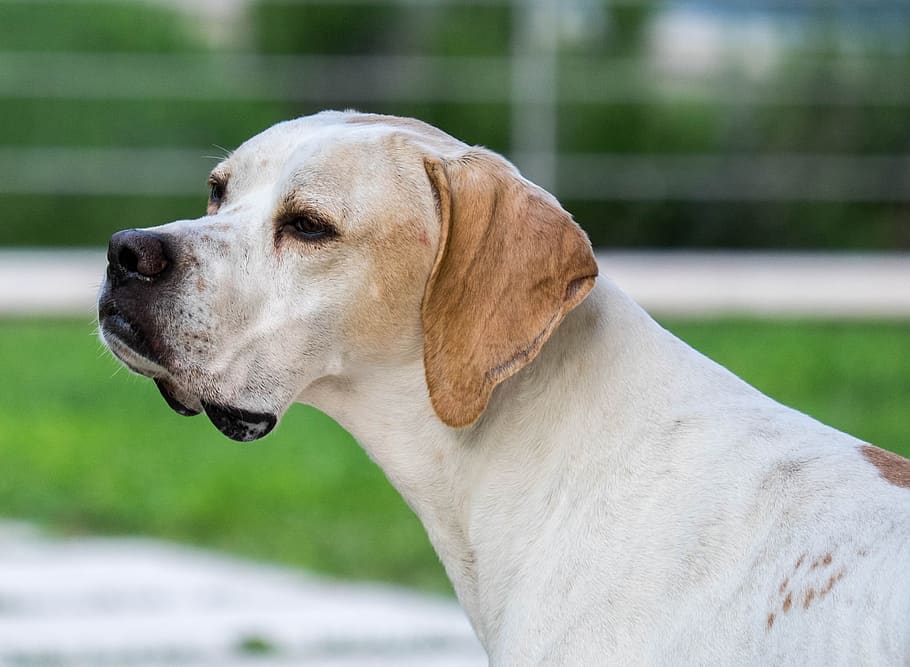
x=138 y=262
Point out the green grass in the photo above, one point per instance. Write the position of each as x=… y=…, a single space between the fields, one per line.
x=854 y=376
x=85 y=447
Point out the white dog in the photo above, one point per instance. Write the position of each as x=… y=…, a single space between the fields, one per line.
x=598 y=492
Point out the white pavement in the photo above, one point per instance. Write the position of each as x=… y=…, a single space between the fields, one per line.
x=139 y=603
x=694 y=284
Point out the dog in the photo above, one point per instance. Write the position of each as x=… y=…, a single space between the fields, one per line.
x=598 y=491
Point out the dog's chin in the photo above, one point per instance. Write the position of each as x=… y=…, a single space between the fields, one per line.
x=127 y=344
x=238 y=423
x=235 y=423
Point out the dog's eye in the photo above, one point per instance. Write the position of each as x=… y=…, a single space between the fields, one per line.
x=216 y=194
x=310 y=228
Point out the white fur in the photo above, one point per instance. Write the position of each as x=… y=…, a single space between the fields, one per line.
x=622 y=500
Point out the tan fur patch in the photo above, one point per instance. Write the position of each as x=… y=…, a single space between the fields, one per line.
x=893 y=468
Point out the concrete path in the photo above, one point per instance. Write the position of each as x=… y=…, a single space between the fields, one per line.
x=666 y=283
x=92 y=602
x=841 y=285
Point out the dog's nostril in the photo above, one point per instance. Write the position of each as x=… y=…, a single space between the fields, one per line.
x=128 y=260
x=138 y=253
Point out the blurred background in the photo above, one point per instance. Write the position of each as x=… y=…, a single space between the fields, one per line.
x=733 y=124
x=685 y=136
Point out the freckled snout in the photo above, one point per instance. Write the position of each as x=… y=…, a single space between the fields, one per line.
x=138 y=261
x=134 y=254
x=136 y=313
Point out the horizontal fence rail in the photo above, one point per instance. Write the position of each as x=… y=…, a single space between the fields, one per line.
x=253 y=77
x=413 y=78
x=171 y=171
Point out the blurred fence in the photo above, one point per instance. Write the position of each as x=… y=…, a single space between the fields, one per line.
x=727 y=123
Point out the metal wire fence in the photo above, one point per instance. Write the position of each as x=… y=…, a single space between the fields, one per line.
x=747 y=102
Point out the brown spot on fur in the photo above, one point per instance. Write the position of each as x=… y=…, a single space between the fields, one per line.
x=783 y=586
x=823 y=560
x=831 y=581
x=200 y=284
x=810 y=595
x=788 y=602
x=893 y=468
x=770 y=621
x=800 y=561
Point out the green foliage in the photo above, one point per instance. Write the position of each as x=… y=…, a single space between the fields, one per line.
x=829 y=226
x=854 y=376
x=289 y=28
x=65 y=220
x=659 y=128
x=628 y=23
x=135 y=123
x=94 y=26
x=834 y=129
x=86 y=447
x=357 y=29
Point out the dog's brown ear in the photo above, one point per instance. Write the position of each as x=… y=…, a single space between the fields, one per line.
x=511 y=264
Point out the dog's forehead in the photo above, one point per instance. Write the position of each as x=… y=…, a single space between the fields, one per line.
x=272 y=148
x=326 y=134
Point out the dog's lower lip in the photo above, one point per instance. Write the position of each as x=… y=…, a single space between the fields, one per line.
x=239 y=424
x=115 y=323
x=172 y=401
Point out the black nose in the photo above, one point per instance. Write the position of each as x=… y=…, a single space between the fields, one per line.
x=135 y=253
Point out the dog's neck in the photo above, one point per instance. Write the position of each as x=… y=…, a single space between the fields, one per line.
x=484 y=491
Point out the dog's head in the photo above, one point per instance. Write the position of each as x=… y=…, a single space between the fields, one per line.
x=335 y=243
